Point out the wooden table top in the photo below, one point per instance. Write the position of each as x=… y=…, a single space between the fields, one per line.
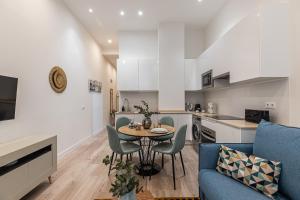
x=145 y=132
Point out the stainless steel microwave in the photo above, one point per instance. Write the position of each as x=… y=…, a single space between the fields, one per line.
x=207 y=80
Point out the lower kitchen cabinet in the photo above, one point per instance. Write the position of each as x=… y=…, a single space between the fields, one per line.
x=229 y=134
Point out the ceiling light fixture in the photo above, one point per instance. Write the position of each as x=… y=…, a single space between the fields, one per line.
x=200 y=0
x=140 y=13
x=91 y=10
x=109 y=41
x=122 y=13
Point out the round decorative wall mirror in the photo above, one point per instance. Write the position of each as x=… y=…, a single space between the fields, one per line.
x=58 y=79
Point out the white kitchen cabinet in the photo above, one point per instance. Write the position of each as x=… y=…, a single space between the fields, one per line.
x=254 y=49
x=192 y=75
x=128 y=75
x=148 y=75
x=137 y=75
x=229 y=134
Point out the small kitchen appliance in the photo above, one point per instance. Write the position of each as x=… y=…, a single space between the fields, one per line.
x=211 y=108
x=207 y=79
x=256 y=115
x=197 y=107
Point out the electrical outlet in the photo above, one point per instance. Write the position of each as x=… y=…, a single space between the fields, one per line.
x=270 y=105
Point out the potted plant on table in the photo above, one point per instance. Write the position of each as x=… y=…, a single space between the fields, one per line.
x=144 y=109
x=126 y=184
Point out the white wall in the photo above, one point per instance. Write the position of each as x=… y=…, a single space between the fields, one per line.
x=194 y=43
x=295 y=69
x=138 y=44
x=35 y=36
x=171 y=66
x=135 y=99
x=236 y=99
x=228 y=16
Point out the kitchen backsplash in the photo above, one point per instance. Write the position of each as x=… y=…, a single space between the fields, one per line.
x=234 y=100
x=135 y=98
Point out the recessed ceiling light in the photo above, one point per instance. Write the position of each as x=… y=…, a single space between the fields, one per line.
x=91 y=10
x=122 y=13
x=124 y=61
x=109 y=41
x=140 y=13
x=200 y=0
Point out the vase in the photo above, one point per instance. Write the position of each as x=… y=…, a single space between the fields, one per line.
x=129 y=196
x=147 y=122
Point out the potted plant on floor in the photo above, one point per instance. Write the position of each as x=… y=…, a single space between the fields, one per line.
x=126 y=184
x=144 y=109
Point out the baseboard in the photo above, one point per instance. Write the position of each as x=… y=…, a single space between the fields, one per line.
x=74 y=146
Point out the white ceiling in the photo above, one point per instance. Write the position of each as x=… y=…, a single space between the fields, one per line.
x=105 y=21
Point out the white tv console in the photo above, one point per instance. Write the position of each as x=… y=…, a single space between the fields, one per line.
x=25 y=163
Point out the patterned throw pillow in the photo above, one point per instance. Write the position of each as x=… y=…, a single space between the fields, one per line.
x=257 y=173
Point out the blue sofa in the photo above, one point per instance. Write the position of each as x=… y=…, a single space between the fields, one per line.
x=273 y=142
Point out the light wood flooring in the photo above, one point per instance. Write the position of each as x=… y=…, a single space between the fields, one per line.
x=82 y=176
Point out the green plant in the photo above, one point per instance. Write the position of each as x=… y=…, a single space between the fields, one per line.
x=125 y=179
x=144 y=109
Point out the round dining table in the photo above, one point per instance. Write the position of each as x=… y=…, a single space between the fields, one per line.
x=145 y=167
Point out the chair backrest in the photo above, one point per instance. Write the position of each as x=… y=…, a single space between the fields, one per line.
x=179 y=139
x=122 y=121
x=167 y=121
x=113 y=139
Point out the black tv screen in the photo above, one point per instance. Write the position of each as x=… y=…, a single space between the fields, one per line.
x=8 y=96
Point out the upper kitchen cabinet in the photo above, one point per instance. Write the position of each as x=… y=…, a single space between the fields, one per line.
x=128 y=75
x=148 y=75
x=192 y=75
x=137 y=75
x=254 y=49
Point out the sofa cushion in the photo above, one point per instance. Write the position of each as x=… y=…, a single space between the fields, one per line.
x=216 y=186
x=281 y=143
x=257 y=173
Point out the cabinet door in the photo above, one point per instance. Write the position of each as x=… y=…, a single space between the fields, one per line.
x=190 y=67
x=128 y=75
x=243 y=50
x=148 y=75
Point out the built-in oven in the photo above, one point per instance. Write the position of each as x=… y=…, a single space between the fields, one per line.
x=207 y=135
x=207 y=79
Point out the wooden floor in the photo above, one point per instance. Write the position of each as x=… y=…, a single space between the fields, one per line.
x=82 y=176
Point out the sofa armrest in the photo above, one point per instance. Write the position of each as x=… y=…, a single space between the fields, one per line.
x=209 y=153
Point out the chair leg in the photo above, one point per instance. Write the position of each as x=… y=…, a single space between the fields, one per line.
x=121 y=155
x=152 y=163
x=127 y=158
x=131 y=156
x=162 y=161
x=142 y=149
x=173 y=167
x=148 y=151
x=140 y=157
x=182 y=162
x=111 y=161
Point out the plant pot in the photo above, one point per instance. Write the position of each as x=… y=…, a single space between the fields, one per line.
x=147 y=122
x=129 y=196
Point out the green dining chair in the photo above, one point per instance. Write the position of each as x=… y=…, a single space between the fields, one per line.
x=124 y=121
x=117 y=147
x=165 y=121
x=172 y=149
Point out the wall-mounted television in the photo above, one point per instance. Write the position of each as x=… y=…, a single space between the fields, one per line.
x=8 y=96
